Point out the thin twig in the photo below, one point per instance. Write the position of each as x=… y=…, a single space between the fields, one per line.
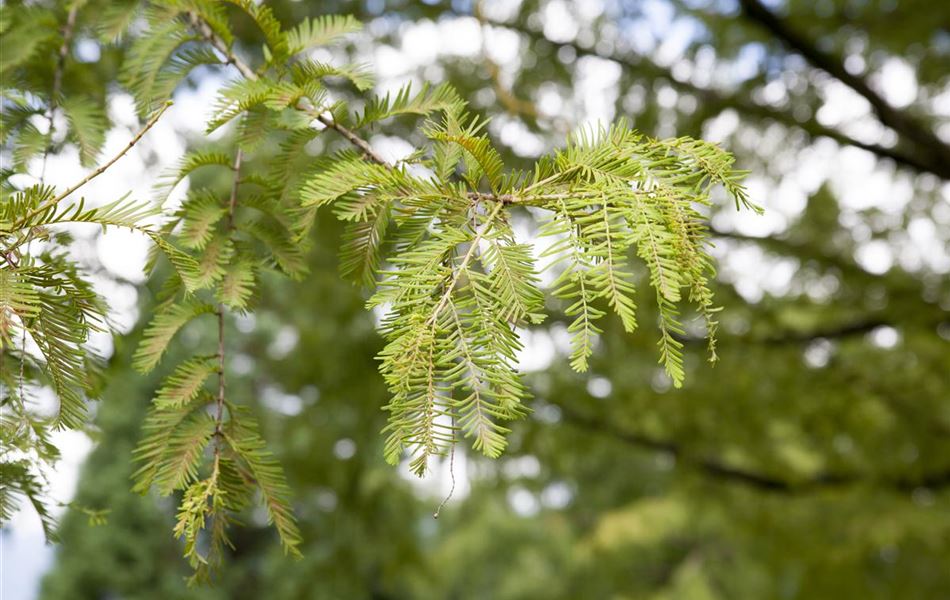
x=238 y=157
x=451 y=493
x=50 y=117
x=465 y=261
x=219 y=401
x=232 y=59
x=99 y=171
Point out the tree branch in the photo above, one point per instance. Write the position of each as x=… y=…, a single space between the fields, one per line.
x=232 y=59
x=220 y=397
x=888 y=115
x=764 y=482
x=744 y=105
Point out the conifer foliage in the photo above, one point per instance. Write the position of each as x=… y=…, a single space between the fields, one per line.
x=432 y=237
x=48 y=305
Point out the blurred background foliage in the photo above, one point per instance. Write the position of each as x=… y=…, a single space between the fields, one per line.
x=812 y=462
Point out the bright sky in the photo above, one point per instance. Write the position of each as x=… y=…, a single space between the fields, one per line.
x=853 y=174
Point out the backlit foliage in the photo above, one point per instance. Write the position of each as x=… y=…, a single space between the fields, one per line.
x=48 y=305
x=434 y=238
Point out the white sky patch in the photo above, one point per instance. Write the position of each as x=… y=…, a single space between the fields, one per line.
x=595 y=89
x=721 y=126
x=538 y=352
x=556 y=495
x=275 y=399
x=559 y=24
x=523 y=502
x=753 y=272
x=860 y=183
x=675 y=39
x=885 y=337
x=599 y=387
x=897 y=82
x=875 y=256
x=841 y=104
x=501 y=10
x=503 y=47
x=391 y=148
x=515 y=134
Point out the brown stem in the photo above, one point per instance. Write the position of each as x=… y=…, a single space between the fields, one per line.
x=219 y=399
x=222 y=386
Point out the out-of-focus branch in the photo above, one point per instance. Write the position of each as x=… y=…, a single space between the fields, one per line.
x=937 y=154
x=507 y=97
x=711 y=97
x=765 y=482
x=58 y=82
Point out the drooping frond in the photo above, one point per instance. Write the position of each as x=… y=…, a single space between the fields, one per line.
x=361 y=247
x=320 y=31
x=87 y=126
x=19 y=482
x=237 y=284
x=309 y=70
x=249 y=448
x=200 y=213
x=18 y=299
x=485 y=160
x=202 y=501
x=183 y=450
x=513 y=279
x=458 y=283
x=427 y=101
x=573 y=284
x=153 y=453
x=278 y=47
x=283 y=252
x=349 y=174
x=186 y=166
x=239 y=96
x=161 y=330
x=186 y=382
x=144 y=71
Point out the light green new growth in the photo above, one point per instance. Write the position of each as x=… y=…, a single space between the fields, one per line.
x=431 y=236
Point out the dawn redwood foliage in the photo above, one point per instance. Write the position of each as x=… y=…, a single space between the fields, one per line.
x=430 y=236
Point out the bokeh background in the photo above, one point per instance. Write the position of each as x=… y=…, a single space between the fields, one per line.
x=813 y=461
